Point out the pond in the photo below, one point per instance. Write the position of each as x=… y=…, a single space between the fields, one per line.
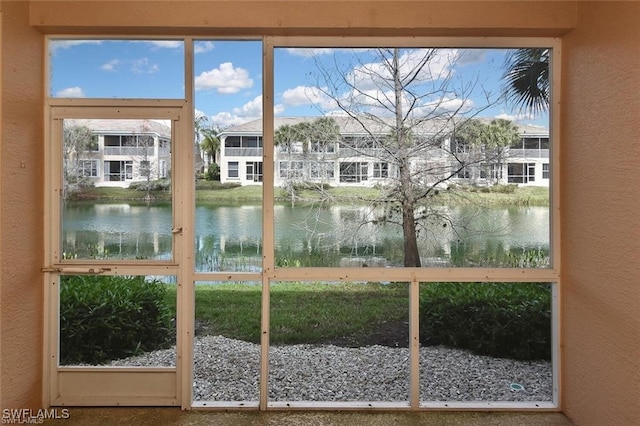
x=229 y=237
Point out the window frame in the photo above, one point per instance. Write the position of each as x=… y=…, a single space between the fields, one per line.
x=414 y=276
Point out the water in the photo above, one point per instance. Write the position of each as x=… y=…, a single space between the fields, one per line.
x=229 y=237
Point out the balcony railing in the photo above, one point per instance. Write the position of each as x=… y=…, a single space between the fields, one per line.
x=528 y=153
x=130 y=151
x=243 y=152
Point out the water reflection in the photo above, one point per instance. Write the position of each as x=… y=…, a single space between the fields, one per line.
x=229 y=237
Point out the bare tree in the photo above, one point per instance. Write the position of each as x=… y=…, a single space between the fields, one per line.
x=306 y=146
x=409 y=105
x=77 y=140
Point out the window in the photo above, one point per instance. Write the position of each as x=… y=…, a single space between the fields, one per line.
x=233 y=169
x=323 y=147
x=145 y=168
x=463 y=173
x=117 y=171
x=521 y=172
x=321 y=170
x=291 y=169
x=232 y=142
x=545 y=171
x=252 y=141
x=353 y=172
x=254 y=171
x=349 y=247
x=163 y=169
x=380 y=170
x=89 y=168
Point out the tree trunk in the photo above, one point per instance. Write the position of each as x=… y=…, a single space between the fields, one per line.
x=411 y=252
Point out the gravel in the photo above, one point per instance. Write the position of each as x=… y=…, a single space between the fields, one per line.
x=228 y=370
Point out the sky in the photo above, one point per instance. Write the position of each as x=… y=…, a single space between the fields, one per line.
x=307 y=82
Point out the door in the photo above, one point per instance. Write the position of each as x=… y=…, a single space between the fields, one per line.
x=113 y=269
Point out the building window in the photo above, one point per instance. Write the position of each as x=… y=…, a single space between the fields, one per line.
x=323 y=147
x=88 y=168
x=291 y=169
x=545 y=171
x=463 y=174
x=354 y=172
x=233 y=169
x=380 y=170
x=118 y=171
x=163 y=168
x=521 y=172
x=321 y=170
x=252 y=141
x=254 y=171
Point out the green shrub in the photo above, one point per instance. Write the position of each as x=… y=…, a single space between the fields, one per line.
x=503 y=189
x=503 y=320
x=213 y=172
x=109 y=317
x=214 y=185
x=152 y=185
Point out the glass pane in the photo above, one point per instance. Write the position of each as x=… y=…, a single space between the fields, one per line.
x=405 y=157
x=227 y=341
x=116 y=68
x=116 y=188
x=228 y=92
x=110 y=320
x=339 y=342
x=485 y=342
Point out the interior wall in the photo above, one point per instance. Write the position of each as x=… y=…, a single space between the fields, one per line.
x=600 y=204
x=600 y=113
x=21 y=204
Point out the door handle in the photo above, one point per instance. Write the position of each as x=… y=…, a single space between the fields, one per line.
x=77 y=270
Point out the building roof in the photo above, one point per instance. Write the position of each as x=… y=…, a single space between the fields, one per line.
x=124 y=126
x=351 y=126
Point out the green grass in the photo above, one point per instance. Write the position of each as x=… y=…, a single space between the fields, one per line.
x=509 y=320
x=342 y=313
x=214 y=191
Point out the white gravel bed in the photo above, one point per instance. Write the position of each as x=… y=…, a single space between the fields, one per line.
x=228 y=370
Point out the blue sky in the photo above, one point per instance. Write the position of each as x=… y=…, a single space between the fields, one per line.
x=228 y=77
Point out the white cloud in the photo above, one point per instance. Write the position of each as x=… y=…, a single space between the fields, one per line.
x=223 y=120
x=224 y=79
x=197 y=113
x=143 y=66
x=375 y=75
x=111 y=65
x=471 y=56
x=166 y=44
x=70 y=92
x=516 y=117
x=55 y=45
x=248 y=112
x=203 y=46
x=252 y=108
x=309 y=52
x=307 y=95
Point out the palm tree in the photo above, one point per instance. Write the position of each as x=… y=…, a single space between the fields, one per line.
x=210 y=144
x=527 y=79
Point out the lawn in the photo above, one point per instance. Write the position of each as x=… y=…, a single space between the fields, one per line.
x=214 y=191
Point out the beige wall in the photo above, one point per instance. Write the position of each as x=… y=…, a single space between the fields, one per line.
x=600 y=153
x=601 y=229
x=21 y=207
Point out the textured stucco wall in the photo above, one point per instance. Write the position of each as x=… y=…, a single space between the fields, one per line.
x=599 y=156
x=601 y=229
x=21 y=236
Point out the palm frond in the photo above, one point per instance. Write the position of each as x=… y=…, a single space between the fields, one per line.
x=527 y=79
